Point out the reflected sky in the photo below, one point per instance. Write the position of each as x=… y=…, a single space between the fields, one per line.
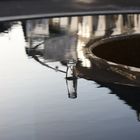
x=37 y=78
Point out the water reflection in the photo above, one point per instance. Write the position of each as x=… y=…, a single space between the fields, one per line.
x=5 y=26
x=130 y=95
x=65 y=47
x=68 y=39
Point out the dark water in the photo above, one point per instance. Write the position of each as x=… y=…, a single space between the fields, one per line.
x=53 y=88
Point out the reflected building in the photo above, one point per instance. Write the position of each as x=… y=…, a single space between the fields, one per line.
x=67 y=39
x=71 y=40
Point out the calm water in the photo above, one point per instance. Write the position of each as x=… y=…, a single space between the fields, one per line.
x=51 y=88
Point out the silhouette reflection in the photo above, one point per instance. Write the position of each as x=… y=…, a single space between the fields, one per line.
x=130 y=95
x=5 y=26
x=70 y=41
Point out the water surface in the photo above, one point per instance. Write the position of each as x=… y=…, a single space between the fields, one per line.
x=52 y=88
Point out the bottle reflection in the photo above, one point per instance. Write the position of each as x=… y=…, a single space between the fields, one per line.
x=71 y=79
x=71 y=69
x=72 y=88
